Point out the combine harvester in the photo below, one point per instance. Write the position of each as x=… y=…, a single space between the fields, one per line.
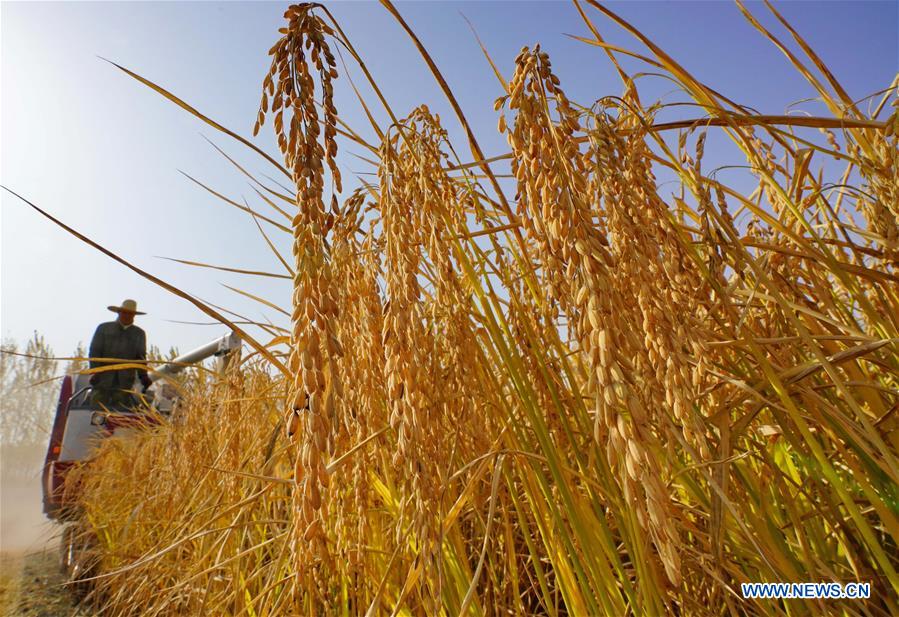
x=78 y=428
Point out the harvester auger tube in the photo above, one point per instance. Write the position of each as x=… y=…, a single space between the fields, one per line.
x=226 y=348
x=221 y=347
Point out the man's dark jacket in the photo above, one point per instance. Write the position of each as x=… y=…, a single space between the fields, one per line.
x=113 y=340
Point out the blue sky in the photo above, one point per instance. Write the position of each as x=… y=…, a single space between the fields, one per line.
x=103 y=153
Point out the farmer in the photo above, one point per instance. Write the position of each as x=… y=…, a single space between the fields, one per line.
x=122 y=343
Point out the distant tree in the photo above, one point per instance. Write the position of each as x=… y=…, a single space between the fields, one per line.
x=155 y=355
x=28 y=390
x=28 y=394
x=78 y=362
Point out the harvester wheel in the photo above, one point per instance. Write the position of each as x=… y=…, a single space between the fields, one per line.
x=76 y=553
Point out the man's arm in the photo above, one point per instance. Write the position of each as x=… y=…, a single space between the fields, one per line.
x=142 y=359
x=97 y=350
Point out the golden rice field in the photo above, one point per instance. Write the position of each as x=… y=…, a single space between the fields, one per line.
x=539 y=383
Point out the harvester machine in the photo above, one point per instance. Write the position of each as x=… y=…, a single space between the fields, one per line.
x=79 y=426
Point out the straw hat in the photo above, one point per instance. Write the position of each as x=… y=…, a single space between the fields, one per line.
x=128 y=306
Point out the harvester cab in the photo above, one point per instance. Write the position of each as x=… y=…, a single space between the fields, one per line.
x=79 y=426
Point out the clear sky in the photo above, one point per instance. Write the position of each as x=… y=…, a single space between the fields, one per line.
x=103 y=153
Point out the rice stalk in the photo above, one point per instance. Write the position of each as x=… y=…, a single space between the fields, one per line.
x=571 y=392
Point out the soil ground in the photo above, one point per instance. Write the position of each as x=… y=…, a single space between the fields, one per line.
x=32 y=585
x=31 y=579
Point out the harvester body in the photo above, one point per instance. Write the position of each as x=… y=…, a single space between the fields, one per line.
x=79 y=426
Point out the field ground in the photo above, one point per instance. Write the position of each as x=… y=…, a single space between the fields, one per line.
x=31 y=585
x=31 y=581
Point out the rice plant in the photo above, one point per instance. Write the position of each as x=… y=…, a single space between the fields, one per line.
x=539 y=382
